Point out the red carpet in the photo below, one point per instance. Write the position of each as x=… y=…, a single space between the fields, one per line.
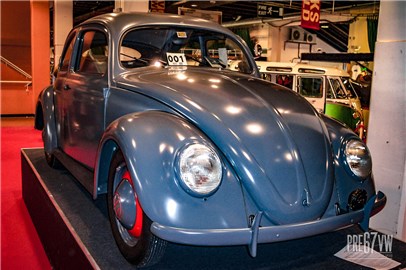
x=20 y=245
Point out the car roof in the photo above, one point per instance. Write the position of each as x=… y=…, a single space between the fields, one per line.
x=298 y=68
x=122 y=21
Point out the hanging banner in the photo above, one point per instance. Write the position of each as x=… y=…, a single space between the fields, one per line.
x=157 y=6
x=311 y=14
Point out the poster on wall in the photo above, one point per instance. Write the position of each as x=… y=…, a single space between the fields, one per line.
x=311 y=14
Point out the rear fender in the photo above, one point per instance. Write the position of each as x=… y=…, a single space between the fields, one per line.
x=45 y=119
x=150 y=143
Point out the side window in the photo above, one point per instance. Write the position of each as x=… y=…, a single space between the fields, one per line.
x=285 y=80
x=93 y=53
x=67 y=55
x=311 y=87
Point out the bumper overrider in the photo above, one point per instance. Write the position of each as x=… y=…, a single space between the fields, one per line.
x=257 y=235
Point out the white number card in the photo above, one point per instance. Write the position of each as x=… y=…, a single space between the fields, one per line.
x=176 y=59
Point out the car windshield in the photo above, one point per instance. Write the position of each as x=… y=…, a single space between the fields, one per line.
x=164 y=46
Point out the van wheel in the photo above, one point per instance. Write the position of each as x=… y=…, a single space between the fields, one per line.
x=130 y=226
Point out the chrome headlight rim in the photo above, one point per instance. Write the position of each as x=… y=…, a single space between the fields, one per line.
x=358 y=166
x=181 y=174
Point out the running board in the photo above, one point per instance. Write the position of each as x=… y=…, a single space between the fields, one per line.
x=81 y=173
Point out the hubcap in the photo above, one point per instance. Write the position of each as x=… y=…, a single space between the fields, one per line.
x=126 y=207
x=124 y=204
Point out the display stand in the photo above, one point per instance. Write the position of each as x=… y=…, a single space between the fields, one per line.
x=75 y=232
x=73 y=228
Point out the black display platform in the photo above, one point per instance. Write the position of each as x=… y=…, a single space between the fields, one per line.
x=75 y=232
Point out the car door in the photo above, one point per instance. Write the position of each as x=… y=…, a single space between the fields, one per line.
x=84 y=91
x=312 y=88
x=60 y=99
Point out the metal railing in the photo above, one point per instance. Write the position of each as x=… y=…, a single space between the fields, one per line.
x=19 y=70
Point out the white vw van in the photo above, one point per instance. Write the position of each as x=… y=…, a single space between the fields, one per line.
x=328 y=89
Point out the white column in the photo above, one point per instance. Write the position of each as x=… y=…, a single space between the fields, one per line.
x=63 y=23
x=276 y=43
x=387 y=124
x=127 y=5
x=39 y=47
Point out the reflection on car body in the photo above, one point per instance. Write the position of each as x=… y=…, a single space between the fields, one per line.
x=145 y=110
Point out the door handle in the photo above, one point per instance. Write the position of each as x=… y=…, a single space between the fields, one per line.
x=66 y=87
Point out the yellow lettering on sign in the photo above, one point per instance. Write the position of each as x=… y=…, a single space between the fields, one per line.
x=157 y=6
x=306 y=14
x=311 y=10
x=314 y=17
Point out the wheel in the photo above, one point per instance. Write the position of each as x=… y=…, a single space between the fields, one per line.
x=50 y=158
x=130 y=226
x=52 y=161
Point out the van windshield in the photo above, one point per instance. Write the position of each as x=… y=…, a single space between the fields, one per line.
x=340 y=88
x=348 y=86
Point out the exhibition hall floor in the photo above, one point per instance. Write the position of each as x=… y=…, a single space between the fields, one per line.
x=20 y=245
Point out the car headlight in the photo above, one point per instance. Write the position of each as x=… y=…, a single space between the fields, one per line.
x=200 y=169
x=358 y=158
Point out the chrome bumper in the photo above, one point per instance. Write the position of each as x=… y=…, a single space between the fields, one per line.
x=256 y=235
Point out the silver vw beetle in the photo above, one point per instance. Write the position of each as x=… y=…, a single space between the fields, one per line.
x=145 y=108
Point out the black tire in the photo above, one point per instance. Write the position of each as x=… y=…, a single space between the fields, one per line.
x=145 y=250
x=52 y=161
x=50 y=158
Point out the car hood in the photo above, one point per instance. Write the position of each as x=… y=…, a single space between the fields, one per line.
x=274 y=139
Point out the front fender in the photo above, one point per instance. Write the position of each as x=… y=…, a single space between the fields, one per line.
x=45 y=119
x=150 y=143
x=345 y=182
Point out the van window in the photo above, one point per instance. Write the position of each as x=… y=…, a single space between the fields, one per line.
x=285 y=80
x=311 y=70
x=311 y=87
x=279 y=69
x=266 y=76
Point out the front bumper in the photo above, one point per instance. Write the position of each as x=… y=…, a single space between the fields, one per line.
x=256 y=235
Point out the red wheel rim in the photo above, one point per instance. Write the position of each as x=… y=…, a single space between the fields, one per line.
x=137 y=228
